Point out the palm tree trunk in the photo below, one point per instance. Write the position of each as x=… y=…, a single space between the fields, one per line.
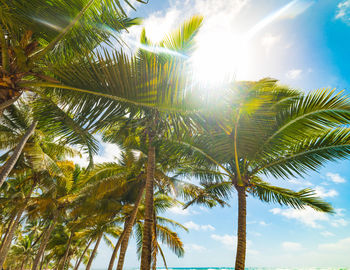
x=127 y=229
x=6 y=244
x=4 y=51
x=116 y=248
x=154 y=242
x=9 y=225
x=67 y=251
x=43 y=243
x=10 y=163
x=148 y=223
x=241 y=232
x=94 y=252
x=42 y=261
x=82 y=255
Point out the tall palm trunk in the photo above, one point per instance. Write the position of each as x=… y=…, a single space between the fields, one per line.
x=154 y=243
x=10 y=163
x=6 y=244
x=8 y=227
x=94 y=252
x=82 y=255
x=127 y=230
x=241 y=232
x=116 y=248
x=148 y=224
x=43 y=243
x=67 y=251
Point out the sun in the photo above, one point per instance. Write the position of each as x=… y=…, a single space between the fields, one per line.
x=220 y=57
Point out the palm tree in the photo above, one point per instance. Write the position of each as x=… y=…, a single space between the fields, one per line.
x=260 y=129
x=59 y=191
x=149 y=88
x=34 y=35
x=161 y=230
x=22 y=252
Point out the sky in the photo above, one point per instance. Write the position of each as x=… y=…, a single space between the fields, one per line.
x=304 y=44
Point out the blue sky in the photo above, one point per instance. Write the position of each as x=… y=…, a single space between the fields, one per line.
x=304 y=44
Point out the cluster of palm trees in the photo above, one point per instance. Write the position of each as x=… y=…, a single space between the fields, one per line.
x=62 y=82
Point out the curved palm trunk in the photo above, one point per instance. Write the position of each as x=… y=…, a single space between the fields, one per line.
x=148 y=224
x=82 y=255
x=241 y=232
x=65 y=257
x=43 y=244
x=6 y=244
x=116 y=248
x=127 y=229
x=94 y=252
x=10 y=163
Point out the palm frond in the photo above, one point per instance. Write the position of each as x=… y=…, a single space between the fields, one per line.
x=296 y=199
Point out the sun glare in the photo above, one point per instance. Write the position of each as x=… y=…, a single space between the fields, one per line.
x=220 y=57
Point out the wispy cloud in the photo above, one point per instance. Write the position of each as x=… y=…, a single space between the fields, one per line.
x=299 y=182
x=342 y=245
x=194 y=247
x=229 y=241
x=323 y=193
x=307 y=216
x=177 y=210
x=327 y=234
x=294 y=74
x=312 y=218
x=335 y=178
x=343 y=11
x=194 y=226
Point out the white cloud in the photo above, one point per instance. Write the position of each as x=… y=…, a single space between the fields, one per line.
x=263 y=223
x=294 y=74
x=177 y=210
x=312 y=218
x=193 y=226
x=340 y=212
x=307 y=216
x=299 y=182
x=323 y=193
x=291 y=246
x=194 y=247
x=343 y=11
x=339 y=222
x=229 y=241
x=110 y=152
x=335 y=177
x=342 y=245
x=327 y=234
